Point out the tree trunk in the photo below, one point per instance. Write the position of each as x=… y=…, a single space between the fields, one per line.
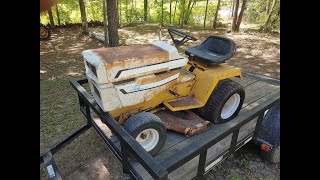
x=105 y=24
x=83 y=17
x=268 y=6
x=189 y=10
x=161 y=13
x=186 y=13
x=216 y=15
x=112 y=13
x=170 y=10
x=265 y=27
x=57 y=12
x=182 y=13
x=131 y=11
x=239 y=19
x=145 y=10
x=51 y=19
x=235 y=16
x=120 y=12
x=127 y=17
x=233 y=4
x=205 y=14
x=135 y=7
x=230 y=12
x=174 y=13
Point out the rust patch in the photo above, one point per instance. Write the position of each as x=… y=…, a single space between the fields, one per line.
x=156 y=78
x=185 y=101
x=123 y=53
x=185 y=122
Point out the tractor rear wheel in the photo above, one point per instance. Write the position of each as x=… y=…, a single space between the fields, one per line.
x=148 y=130
x=224 y=102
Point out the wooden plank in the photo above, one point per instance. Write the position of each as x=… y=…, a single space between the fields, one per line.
x=245 y=81
x=216 y=150
x=263 y=78
x=255 y=86
x=104 y=128
x=259 y=93
x=247 y=129
x=186 y=147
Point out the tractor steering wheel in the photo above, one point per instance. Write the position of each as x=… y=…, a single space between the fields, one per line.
x=186 y=37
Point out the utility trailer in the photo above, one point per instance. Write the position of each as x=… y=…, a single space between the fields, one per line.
x=180 y=157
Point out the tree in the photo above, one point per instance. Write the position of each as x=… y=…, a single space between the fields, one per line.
x=170 y=10
x=205 y=14
x=265 y=26
x=188 y=12
x=235 y=16
x=127 y=16
x=131 y=11
x=216 y=15
x=51 y=18
x=105 y=24
x=182 y=13
x=268 y=6
x=57 y=12
x=233 y=6
x=174 y=13
x=161 y=13
x=239 y=19
x=83 y=17
x=145 y=7
x=112 y=13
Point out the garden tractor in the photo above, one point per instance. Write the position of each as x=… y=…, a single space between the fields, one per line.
x=150 y=88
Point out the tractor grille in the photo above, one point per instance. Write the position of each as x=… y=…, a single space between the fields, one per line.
x=93 y=68
x=96 y=91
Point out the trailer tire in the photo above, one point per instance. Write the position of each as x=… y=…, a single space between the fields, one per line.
x=273 y=156
x=147 y=129
x=224 y=102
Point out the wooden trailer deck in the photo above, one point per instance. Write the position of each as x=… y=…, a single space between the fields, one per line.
x=180 y=155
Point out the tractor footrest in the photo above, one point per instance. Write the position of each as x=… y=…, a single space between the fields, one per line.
x=184 y=103
x=185 y=122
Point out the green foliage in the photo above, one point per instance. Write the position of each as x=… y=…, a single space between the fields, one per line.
x=70 y=12
x=256 y=13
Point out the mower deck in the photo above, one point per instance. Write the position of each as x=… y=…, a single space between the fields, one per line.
x=185 y=122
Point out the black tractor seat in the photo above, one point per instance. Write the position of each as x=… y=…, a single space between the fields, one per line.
x=214 y=50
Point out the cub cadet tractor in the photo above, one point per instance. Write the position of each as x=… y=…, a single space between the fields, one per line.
x=150 y=88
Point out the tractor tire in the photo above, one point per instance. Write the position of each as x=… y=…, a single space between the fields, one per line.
x=273 y=156
x=224 y=102
x=45 y=33
x=148 y=130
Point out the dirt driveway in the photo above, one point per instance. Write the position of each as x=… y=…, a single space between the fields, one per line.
x=87 y=157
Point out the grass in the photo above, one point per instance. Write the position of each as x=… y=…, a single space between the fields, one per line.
x=58 y=110
x=233 y=176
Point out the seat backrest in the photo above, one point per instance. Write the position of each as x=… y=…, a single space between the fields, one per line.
x=219 y=45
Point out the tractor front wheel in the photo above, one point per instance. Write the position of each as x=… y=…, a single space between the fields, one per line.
x=224 y=102
x=148 y=130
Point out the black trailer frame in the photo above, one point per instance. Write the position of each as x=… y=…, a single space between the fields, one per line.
x=129 y=145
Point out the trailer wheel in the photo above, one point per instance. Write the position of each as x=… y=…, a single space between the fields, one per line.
x=148 y=130
x=273 y=155
x=224 y=102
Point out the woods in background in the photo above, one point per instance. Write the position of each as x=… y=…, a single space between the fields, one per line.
x=178 y=13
